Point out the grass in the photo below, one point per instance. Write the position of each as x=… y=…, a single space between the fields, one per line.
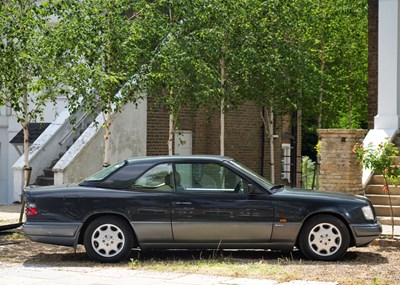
x=365 y=266
x=13 y=236
x=218 y=265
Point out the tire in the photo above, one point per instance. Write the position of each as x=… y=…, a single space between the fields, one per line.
x=324 y=238
x=108 y=239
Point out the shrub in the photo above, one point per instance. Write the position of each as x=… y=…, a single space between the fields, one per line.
x=381 y=160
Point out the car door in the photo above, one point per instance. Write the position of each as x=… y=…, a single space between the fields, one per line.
x=212 y=205
x=150 y=205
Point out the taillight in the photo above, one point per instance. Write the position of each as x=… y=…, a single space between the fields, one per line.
x=31 y=210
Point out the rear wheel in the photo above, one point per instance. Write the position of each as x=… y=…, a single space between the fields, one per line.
x=108 y=239
x=324 y=237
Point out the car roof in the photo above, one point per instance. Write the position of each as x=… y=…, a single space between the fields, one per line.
x=178 y=158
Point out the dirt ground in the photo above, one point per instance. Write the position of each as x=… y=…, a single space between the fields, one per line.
x=375 y=264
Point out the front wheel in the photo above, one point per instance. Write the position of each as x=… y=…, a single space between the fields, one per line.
x=325 y=238
x=108 y=239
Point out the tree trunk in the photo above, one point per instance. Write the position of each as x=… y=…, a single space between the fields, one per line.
x=222 y=116
x=222 y=135
x=321 y=88
x=391 y=211
x=321 y=109
x=25 y=128
x=271 y=143
x=27 y=168
x=171 y=134
x=269 y=130
x=350 y=126
x=107 y=125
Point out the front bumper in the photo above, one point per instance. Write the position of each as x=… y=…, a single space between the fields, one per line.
x=365 y=233
x=52 y=233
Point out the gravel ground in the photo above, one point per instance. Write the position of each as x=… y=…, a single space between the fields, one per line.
x=375 y=264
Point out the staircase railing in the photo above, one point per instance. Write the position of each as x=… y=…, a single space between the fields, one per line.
x=45 y=149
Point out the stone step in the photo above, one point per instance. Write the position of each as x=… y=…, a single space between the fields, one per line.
x=44 y=180
x=384 y=210
x=380 y=200
x=378 y=189
x=61 y=154
x=376 y=179
x=383 y=199
x=48 y=172
x=384 y=220
x=396 y=141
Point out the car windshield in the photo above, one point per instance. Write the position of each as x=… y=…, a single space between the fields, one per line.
x=105 y=172
x=255 y=176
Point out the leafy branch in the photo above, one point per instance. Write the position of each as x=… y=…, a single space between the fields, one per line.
x=381 y=160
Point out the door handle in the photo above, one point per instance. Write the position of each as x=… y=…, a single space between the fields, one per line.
x=182 y=203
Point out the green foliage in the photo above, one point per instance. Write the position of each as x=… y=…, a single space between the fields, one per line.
x=380 y=159
x=285 y=54
x=27 y=61
x=190 y=39
x=26 y=58
x=336 y=36
x=96 y=56
x=275 y=55
x=307 y=169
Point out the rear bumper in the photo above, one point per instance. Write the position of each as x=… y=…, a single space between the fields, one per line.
x=52 y=233
x=365 y=234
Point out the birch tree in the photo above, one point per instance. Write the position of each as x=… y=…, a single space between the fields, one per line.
x=173 y=74
x=27 y=63
x=337 y=40
x=220 y=38
x=98 y=59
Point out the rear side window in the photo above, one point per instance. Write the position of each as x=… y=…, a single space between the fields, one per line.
x=121 y=178
x=157 y=178
x=105 y=172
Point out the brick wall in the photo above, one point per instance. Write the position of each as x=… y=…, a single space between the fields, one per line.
x=243 y=135
x=243 y=139
x=372 y=61
x=339 y=169
x=157 y=130
x=242 y=132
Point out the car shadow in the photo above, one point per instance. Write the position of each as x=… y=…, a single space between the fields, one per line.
x=80 y=259
x=14 y=243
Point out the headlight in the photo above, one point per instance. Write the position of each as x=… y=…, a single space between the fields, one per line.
x=368 y=213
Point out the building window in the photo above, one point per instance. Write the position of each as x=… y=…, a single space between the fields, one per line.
x=286 y=164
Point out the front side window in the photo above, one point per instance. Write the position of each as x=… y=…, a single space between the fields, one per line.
x=208 y=177
x=258 y=178
x=157 y=178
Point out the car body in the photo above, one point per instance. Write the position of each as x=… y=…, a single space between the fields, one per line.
x=194 y=202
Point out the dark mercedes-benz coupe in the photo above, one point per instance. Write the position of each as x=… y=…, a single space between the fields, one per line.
x=194 y=202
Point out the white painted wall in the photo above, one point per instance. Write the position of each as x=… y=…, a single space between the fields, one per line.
x=85 y=157
x=8 y=154
x=9 y=127
x=387 y=121
x=388 y=117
